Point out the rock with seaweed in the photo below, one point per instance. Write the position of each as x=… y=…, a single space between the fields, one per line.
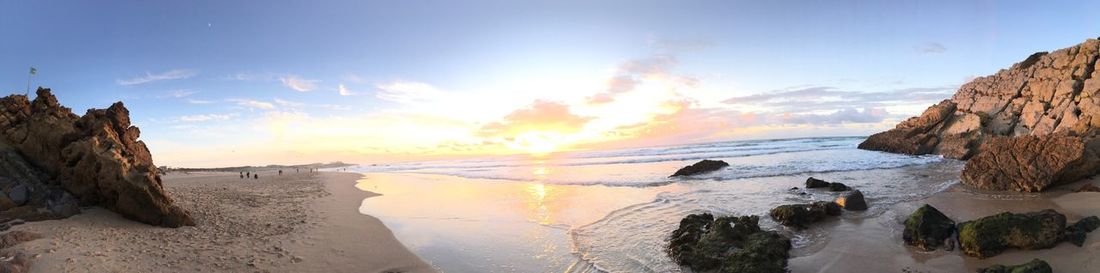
x=728 y=244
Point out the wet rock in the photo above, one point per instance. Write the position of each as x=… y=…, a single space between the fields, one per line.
x=14 y=262
x=852 y=200
x=989 y=236
x=927 y=228
x=1032 y=163
x=728 y=244
x=1034 y=266
x=837 y=186
x=18 y=194
x=802 y=215
x=96 y=157
x=816 y=183
x=1077 y=232
x=704 y=166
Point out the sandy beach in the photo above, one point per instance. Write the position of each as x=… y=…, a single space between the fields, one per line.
x=304 y=222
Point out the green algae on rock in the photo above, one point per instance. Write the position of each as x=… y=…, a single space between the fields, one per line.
x=728 y=244
x=927 y=228
x=1034 y=266
x=1075 y=233
x=990 y=235
x=802 y=215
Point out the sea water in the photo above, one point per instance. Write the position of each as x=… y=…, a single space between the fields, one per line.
x=611 y=211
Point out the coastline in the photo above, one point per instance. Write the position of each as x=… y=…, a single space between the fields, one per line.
x=297 y=222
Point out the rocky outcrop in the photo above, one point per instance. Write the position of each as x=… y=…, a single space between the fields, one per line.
x=1032 y=163
x=802 y=215
x=97 y=158
x=927 y=228
x=1034 y=266
x=1076 y=233
x=1056 y=93
x=990 y=235
x=728 y=244
x=700 y=167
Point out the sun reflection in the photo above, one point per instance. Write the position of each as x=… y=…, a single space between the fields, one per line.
x=537 y=203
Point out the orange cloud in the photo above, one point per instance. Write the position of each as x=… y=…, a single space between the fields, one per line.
x=544 y=116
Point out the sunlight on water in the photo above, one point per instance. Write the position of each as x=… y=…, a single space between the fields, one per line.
x=611 y=210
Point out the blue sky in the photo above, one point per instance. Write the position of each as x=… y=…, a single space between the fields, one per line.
x=251 y=82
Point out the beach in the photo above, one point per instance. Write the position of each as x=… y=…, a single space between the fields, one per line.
x=295 y=222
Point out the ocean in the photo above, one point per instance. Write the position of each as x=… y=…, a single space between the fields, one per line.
x=611 y=211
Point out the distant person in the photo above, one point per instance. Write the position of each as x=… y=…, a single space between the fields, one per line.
x=280 y=172
x=242 y=175
x=247 y=174
x=256 y=176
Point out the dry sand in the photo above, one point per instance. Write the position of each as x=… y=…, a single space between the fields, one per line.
x=297 y=222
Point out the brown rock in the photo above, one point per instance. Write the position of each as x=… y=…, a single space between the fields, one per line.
x=1032 y=163
x=1088 y=188
x=96 y=157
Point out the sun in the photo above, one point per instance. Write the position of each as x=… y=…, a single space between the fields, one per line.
x=538 y=143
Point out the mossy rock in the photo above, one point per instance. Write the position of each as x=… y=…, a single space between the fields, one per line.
x=991 y=235
x=1034 y=266
x=802 y=215
x=927 y=228
x=1076 y=232
x=728 y=244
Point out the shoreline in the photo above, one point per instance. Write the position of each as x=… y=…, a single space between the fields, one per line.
x=273 y=224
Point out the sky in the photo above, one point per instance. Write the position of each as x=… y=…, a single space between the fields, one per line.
x=221 y=83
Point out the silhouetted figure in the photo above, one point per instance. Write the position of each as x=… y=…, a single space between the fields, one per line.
x=280 y=172
x=242 y=175
x=256 y=176
x=247 y=174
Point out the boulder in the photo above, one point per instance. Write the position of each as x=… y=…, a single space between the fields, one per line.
x=852 y=200
x=1034 y=266
x=989 y=236
x=704 y=166
x=816 y=183
x=1032 y=163
x=1088 y=188
x=837 y=186
x=97 y=158
x=728 y=244
x=1076 y=233
x=927 y=228
x=802 y=215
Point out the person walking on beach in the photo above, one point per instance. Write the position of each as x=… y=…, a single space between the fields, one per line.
x=256 y=176
x=242 y=175
x=280 y=172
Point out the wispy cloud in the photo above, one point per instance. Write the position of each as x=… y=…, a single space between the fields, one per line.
x=253 y=104
x=198 y=101
x=298 y=83
x=205 y=117
x=631 y=73
x=175 y=74
x=407 y=92
x=931 y=48
x=178 y=94
x=344 y=91
x=812 y=98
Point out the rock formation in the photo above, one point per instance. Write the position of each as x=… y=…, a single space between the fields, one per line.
x=802 y=215
x=704 y=166
x=818 y=183
x=1051 y=97
x=927 y=228
x=1076 y=233
x=990 y=235
x=96 y=158
x=1034 y=266
x=728 y=244
x=852 y=200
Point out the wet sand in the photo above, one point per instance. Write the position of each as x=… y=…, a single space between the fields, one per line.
x=875 y=244
x=304 y=222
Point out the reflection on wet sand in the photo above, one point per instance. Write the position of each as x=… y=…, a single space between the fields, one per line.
x=477 y=225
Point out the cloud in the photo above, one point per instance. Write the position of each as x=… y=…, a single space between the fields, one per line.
x=846 y=115
x=197 y=101
x=178 y=94
x=931 y=48
x=815 y=98
x=298 y=83
x=540 y=116
x=406 y=92
x=175 y=74
x=253 y=104
x=252 y=76
x=630 y=74
x=204 y=117
x=344 y=91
